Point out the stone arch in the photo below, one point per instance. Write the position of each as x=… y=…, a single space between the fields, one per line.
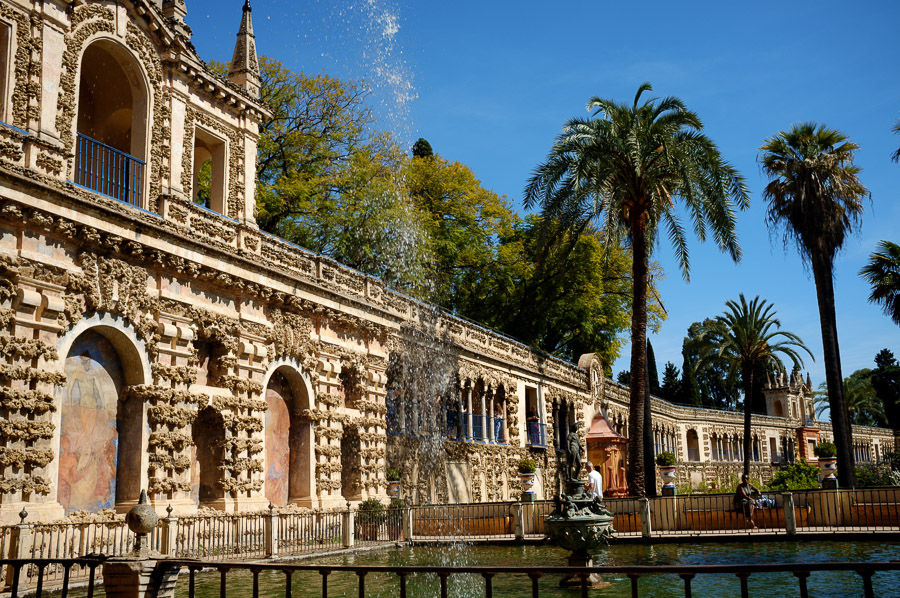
x=693 y=445
x=90 y=22
x=289 y=442
x=113 y=111
x=101 y=427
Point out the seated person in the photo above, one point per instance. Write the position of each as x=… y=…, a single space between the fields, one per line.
x=743 y=498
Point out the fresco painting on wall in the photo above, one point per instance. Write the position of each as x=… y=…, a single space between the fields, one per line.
x=278 y=448
x=88 y=432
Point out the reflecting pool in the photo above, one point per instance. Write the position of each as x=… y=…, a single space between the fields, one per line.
x=383 y=585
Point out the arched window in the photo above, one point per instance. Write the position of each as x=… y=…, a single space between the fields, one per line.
x=693 y=445
x=209 y=189
x=113 y=100
x=101 y=427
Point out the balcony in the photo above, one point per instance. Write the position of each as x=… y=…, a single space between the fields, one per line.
x=537 y=434
x=108 y=171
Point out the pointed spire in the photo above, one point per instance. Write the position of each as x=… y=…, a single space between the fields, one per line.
x=244 y=70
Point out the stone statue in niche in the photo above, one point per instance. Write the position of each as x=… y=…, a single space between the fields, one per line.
x=573 y=452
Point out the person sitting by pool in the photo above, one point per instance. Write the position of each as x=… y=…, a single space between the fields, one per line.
x=743 y=498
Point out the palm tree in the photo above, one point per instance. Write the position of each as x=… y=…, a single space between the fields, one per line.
x=883 y=274
x=749 y=338
x=863 y=404
x=815 y=196
x=625 y=168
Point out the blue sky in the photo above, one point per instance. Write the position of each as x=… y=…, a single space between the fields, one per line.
x=491 y=83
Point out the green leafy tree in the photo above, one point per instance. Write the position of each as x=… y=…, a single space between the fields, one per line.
x=689 y=389
x=749 y=337
x=882 y=272
x=204 y=184
x=464 y=223
x=671 y=383
x=625 y=168
x=652 y=371
x=886 y=383
x=422 y=149
x=719 y=387
x=328 y=182
x=816 y=198
x=562 y=292
x=624 y=378
x=796 y=476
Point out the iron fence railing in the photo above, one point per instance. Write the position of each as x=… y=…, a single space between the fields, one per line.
x=108 y=171
x=462 y=521
x=303 y=533
x=378 y=527
x=221 y=536
x=421 y=580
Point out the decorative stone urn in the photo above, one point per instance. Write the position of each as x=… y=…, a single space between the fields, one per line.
x=667 y=473
x=527 y=480
x=828 y=465
x=393 y=489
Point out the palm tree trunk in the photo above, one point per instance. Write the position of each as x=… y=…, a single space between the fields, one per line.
x=748 y=414
x=840 y=418
x=649 y=444
x=636 y=472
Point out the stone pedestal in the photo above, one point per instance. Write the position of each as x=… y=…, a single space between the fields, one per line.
x=127 y=577
x=594 y=581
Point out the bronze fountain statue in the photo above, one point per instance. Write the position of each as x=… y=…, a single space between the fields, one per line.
x=580 y=522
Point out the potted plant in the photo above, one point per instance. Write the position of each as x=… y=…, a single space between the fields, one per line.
x=396 y=511
x=393 y=479
x=826 y=453
x=368 y=516
x=527 y=467
x=666 y=463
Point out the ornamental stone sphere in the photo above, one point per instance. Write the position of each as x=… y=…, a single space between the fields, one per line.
x=142 y=518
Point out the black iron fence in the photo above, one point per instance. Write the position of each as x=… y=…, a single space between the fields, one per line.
x=641 y=578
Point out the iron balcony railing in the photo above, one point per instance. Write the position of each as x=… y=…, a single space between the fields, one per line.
x=537 y=434
x=108 y=171
x=478 y=431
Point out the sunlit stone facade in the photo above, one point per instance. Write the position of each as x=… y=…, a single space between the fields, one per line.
x=148 y=342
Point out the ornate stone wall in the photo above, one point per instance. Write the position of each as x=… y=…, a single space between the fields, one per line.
x=200 y=311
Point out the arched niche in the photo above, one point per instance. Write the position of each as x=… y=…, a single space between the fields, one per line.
x=113 y=111
x=208 y=434
x=101 y=427
x=289 y=442
x=351 y=470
